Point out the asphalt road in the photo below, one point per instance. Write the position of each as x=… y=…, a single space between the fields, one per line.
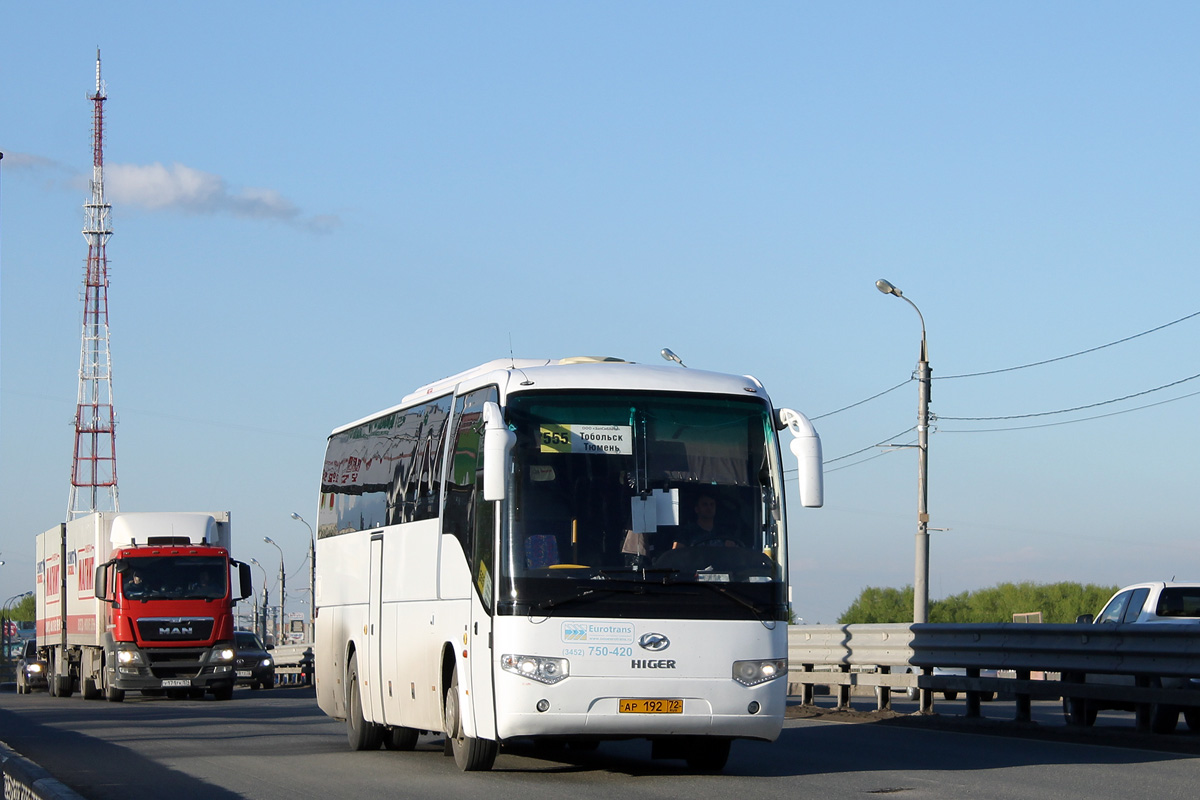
x=277 y=744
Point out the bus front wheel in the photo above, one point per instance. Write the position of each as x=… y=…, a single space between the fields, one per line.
x=361 y=734
x=471 y=754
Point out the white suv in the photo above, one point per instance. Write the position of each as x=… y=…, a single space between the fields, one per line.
x=1163 y=603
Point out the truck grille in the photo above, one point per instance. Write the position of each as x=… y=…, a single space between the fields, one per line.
x=175 y=629
x=176 y=663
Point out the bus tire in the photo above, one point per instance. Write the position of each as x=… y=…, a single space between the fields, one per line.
x=401 y=738
x=471 y=754
x=361 y=734
x=708 y=755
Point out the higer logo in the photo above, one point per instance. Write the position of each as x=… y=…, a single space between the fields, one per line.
x=650 y=663
x=654 y=641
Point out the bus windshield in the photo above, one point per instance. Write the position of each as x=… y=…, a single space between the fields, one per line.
x=643 y=505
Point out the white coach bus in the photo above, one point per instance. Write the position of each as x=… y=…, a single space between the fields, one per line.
x=578 y=550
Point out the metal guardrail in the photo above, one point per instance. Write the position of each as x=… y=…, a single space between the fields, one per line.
x=293 y=664
x=1064 y=655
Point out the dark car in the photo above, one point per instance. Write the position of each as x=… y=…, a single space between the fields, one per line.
x=254 y=665
x=31 y=670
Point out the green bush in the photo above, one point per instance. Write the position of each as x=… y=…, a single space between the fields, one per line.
x=1057 y=602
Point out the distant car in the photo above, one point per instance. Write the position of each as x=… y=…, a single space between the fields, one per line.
x=1154 y=603
x=31 y=670
x=910 y=692
x=254 y=665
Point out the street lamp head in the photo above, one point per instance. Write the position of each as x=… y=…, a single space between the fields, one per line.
x=268 y=540
x=887 y=288
x=297 y=516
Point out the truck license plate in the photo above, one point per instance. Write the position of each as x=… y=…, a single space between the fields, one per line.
x=172 y=683
x=651 y=706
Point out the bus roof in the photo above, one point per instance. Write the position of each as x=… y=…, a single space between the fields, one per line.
x=578 y=372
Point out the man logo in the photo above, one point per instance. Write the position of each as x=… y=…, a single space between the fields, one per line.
x=654 y=641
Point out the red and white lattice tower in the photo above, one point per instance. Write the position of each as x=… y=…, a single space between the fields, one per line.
x=94 y=467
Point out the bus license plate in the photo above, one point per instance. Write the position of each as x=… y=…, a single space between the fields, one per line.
x=647 y=706
x=172 y=683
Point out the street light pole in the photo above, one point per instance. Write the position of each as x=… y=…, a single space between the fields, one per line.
x=266 y=600
x=924 y=378
x=282 y=584
x=312 y=578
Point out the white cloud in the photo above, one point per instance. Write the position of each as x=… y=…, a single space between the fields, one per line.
x=178 y=188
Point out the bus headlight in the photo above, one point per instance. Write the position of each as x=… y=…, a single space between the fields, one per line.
x=754 y=672
x=539 y=668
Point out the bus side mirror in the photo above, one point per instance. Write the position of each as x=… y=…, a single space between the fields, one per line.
x=806 y=446
x=498 y=442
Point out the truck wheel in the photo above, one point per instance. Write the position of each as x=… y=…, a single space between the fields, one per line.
x=471 y=754
x=90 y=690
x=62 y=686
x=361 y=734
x=223 y=692
x=114 y=695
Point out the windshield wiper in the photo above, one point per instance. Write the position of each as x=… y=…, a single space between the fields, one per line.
x=592 y=592
x=738 y=598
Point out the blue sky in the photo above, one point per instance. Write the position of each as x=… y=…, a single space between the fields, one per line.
x=317 y=210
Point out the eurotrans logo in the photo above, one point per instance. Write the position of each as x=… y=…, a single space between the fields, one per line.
x=597 y=632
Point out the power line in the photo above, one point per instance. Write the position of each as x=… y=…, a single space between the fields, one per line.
x=860 y=402
x=1072 y=355
x=869 y=447
x=1069 y=410
x=1010 y=369
x=1072 y=421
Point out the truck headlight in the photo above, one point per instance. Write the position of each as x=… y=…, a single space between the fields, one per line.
x=539 y=668
x=754 y=672
x=224 y=654
x=33 y=667
x=131 y=658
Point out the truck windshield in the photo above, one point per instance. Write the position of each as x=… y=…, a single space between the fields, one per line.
x=643 y=505
x=174 y=578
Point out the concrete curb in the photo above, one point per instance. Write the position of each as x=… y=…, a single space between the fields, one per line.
x=25 y=780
